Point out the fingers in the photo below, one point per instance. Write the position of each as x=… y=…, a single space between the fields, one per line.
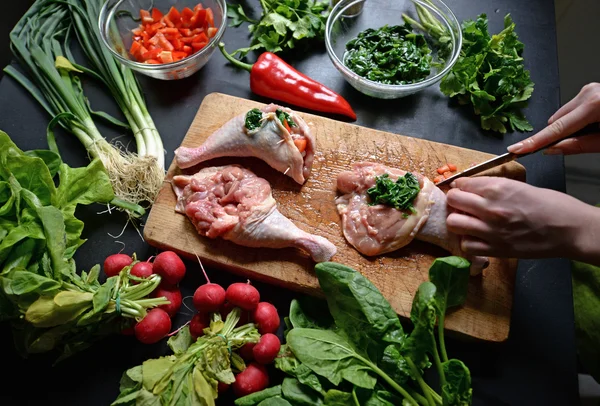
x=467 y=202
x=560 y=128
x=567 y=108
x=462 y=224
x=476 y=246
x=578 y=145
x=478 y=185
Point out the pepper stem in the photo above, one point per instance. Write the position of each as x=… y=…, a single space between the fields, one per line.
x=234 y=61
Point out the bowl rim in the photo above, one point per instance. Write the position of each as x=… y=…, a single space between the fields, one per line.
x=106 y=16
x=347 y=73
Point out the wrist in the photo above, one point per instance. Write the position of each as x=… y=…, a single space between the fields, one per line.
x=587 y=238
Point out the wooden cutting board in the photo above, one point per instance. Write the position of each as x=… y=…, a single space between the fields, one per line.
x=485 y=316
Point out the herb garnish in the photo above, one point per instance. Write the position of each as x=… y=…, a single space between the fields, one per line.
x=399 y=194
x=283 y=116
x=283 y=25
x=391 y=55
x=253 y=119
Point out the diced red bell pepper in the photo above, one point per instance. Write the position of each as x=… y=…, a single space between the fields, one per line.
x=174 y=16
x=186 y=32
x=135 y=48
x=179 y=55
x=210 y=18
x=153 y=61
x=197 y=46
x=198 y=7
x=166 y=57
x=146 y=17
x=187 y=49
x=138 y=31
x=168 y=21
x=212 y=31
x=198 y=19
x=156 y=15
x=187 y=40
x=200 y=38
x=164 y=43
x=152 y=54
x=186 y=16
x=177 y=44
x=170 y=31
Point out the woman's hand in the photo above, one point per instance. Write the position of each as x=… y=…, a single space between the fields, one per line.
x=583 y=110
x=501 y=217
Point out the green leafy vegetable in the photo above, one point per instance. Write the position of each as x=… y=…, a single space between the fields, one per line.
x=283 y=25
x=257 y=397
x=490 y=73
x=283 y=117
x=392 y=55
x=253 y=119
x=399 y=194
x=299 y=394
x=457 y=389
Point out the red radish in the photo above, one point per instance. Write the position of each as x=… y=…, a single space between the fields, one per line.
x=153 y=327
x=113 y=264
x=198 y=323
x=246 y=351
x=265 y=315
x=252 y=379
x=243 y=295
x=222 y=387
x=209 y=298
x=267 y=349
x=142 y=269
x=173 y=295
x=170 y=267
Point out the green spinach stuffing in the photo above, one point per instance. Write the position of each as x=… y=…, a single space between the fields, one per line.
x=253 y=119
x=399 y=194
x=283 y=116
x=392 y=55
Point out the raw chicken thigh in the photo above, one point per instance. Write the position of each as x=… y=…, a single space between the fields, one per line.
x=282 y=139
x=378 y=229
x=233 y=203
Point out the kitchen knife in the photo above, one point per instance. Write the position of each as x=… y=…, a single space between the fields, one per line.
x=509 y=156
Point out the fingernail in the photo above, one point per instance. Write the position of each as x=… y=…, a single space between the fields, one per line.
x=551 y=119
x=552 y=151
x=515 y=148
x=453 y=184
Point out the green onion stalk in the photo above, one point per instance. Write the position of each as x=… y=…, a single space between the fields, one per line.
x=40 y=43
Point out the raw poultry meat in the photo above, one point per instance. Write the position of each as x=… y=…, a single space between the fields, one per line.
x=233 y=203
x=379 y=228
x=287 y=148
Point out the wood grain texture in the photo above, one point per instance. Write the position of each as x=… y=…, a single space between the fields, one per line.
x=485 y=316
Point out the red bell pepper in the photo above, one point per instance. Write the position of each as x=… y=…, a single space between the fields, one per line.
x=272 y=77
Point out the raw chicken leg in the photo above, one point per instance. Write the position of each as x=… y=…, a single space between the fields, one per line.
x=233 y=203
x=378 y=229
x=272 y=142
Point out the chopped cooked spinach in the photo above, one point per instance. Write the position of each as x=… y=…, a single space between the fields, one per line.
x=253 y=119
x=392 y=55
x=283 y=116
x=399 y=194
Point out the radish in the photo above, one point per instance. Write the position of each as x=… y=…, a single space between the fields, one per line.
x=246 y=351
x=222 y=387
x=266 y=317
x=209 y=298
x=170 y=267
x=142 y=270
x=153 y=327
x=199 y=322
x=252 y=379
x=173 y=295
x=267 y=349
x=243 y=295
x=113 y=264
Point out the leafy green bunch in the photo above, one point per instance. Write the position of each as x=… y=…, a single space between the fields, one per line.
x=491 y=76
x=399 y=194
x=191 y=375
x=359 y=354
x=50 y=304
x=283 y=24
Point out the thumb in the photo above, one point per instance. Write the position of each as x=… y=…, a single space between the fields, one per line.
x=577 y=145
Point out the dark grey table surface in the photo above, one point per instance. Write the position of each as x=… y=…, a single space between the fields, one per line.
x=535 y=366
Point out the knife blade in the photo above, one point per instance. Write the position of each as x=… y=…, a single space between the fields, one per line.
x=509 y=156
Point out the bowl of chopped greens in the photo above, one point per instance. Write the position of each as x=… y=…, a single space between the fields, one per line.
x=392 y=48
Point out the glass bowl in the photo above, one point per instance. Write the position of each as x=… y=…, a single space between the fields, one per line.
x=118 y=19
x=349 y=17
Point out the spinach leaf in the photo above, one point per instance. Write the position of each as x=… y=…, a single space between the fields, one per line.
x=457 y=389
x=358 y=308
x=399 y=195
x=335 y=397
x=376 y=397
x=330 y=356
x=423 y=315
x=394 y=364
x=308 y=313
x=287 y=362
x=283 y=116
x=257 y=397
x=450 y=275
x=253 y=119
x=275 y=401
x=300 y=394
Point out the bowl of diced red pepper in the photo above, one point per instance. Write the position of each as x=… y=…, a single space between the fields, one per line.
x=163 y=39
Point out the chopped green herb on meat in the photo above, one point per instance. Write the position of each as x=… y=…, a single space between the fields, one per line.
x=253 y=119
x=392 y=55
x=399 y=194
x=282 y=115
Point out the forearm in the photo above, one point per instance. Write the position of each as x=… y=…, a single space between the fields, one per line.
x=586 y=247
